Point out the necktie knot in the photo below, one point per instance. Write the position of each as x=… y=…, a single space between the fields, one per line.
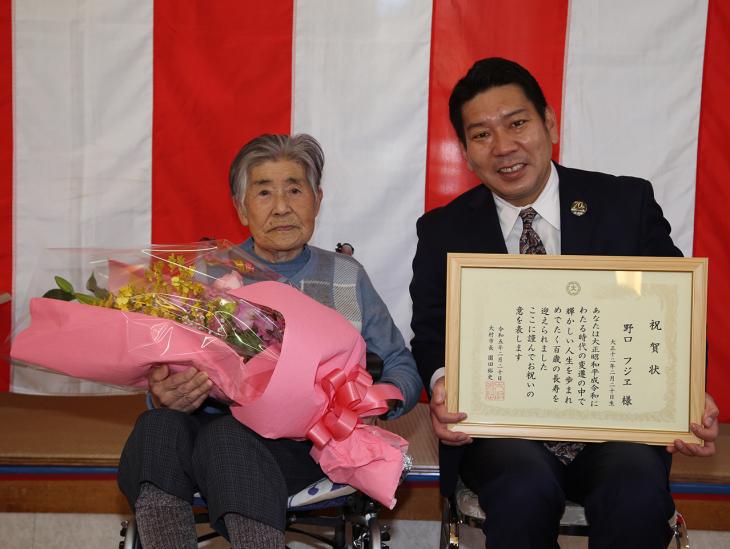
x=527 y=215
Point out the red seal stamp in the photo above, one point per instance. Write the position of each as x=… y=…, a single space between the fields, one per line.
x=495 y=390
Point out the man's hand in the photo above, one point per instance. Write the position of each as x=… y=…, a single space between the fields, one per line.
x=440 y=417
x=184 y=391
x=708 y=432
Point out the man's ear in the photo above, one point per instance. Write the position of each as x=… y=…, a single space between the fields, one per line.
x=465 y=156
x=551 y=123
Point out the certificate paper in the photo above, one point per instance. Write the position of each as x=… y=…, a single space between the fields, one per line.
x=576 y=347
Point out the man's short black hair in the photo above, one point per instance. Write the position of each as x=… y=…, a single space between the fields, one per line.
x=489 y=73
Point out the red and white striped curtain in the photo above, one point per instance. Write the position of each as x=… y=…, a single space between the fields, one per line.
x=118 y=121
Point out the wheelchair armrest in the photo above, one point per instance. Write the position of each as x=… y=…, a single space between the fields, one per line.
x=374 y=365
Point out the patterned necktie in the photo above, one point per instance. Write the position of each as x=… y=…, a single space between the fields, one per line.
x=530 y=243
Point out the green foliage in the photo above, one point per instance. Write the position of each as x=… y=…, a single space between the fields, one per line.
x=66 y=292
x=64 y=284
x=86 y=299
x=100 y=293
x=55 y=293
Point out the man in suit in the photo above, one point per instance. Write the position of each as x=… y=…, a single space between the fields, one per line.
x=528 y=204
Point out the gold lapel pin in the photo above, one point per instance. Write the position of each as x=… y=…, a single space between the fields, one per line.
x=578 y=208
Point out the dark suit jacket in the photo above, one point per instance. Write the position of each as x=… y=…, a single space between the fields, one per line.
x=622 y=219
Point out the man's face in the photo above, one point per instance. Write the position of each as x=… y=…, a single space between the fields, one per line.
x=279 y=207
x=508 y=146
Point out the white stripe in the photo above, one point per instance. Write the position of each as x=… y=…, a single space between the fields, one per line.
x=82 y=129
x=361 y=88
x=632 y=97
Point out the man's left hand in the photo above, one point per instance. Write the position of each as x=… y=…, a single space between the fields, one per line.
x=708 y=432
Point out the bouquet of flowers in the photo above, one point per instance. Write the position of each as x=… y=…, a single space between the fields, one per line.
x=151 y=306
x=168 y=289
x=288 y=366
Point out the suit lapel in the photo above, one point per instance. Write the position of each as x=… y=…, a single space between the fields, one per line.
x=484 y=234
x=576 y=231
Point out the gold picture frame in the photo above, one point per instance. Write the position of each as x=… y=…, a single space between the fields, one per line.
x=582 y=348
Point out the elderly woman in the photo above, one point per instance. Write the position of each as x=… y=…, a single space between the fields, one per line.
x=188 y=441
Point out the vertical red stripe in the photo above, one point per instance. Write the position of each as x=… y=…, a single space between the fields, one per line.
x=6 y=183
x=222 y=75
x=712 y=223
x=531 y=32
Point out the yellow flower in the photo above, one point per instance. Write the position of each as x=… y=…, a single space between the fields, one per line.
x=243 y=266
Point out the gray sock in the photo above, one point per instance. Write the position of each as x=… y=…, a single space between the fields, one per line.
x=164 y=521
x=246 y=533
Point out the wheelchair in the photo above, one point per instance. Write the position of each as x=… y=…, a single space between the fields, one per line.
x=462 y=508
x=354 y=525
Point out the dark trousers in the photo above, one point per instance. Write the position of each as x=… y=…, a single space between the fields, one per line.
x=234 y=469
x=522 y=489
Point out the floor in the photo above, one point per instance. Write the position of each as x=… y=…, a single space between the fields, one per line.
x=60 y=531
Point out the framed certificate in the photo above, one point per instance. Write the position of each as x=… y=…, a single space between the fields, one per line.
x=582 y=348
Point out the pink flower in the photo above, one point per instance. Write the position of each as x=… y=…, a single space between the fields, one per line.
x=230 y=281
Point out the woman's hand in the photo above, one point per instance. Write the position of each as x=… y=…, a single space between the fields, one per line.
x=184 y=391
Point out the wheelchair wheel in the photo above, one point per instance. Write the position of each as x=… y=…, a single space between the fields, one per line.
x=370 y=536
x=449 y=527
x=130 y=535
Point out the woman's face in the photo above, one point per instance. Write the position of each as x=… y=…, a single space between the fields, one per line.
x=279 y=208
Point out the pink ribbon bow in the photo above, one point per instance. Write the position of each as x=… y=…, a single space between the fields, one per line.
x=351 y=396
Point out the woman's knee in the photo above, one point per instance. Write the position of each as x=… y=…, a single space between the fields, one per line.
x=158 y=451
x=225 y=432
x=230 y=447
x=236 y=473
x=163 y=420
x=160 y=429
